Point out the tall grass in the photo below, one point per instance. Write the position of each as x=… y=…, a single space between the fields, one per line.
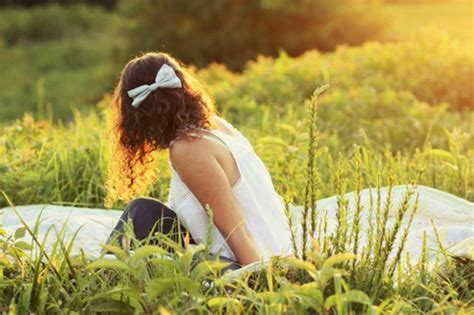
x=67 y=163
x=371 y=129
x=330 y=277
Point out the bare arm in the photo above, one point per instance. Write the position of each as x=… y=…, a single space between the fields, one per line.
x=198 y=167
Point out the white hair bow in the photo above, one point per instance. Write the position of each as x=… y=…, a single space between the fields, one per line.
x=165 y=78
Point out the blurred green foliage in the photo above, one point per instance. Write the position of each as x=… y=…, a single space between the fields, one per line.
x=54 y=57
x=435 y=71
x=49 y=22
x=232 y=32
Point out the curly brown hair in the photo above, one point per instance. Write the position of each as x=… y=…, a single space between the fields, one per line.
x=165 y=115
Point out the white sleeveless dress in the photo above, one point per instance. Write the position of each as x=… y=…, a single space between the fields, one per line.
x=260 y=205
x=263 y=209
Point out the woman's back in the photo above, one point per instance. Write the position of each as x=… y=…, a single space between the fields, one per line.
x=259 y=203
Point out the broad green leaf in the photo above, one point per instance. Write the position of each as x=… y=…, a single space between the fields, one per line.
x=352 y=296
x=313 y=291
x=109 y=307
x=117 y=251
x=147 y=250
x=116 y=291
x=165 y=263
x=4 y=261
x=327 y=273
x=185 y=283
x=338 y=258
x=163 y=311
x=267 y=295
x=206 y=267
x=176 y=282
x=356 y=296
x=14 y=251
x=300 y=264
x=109 y=264
x=23 y=245
x=191 y=250
x=332 y=301
x=157 y=286
x=130 y=295
x=20 y=232
x=216 y=302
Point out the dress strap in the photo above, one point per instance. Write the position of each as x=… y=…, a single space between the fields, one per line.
x=210 y=136
x=207 y=135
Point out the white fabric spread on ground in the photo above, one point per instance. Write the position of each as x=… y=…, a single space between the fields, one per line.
x=93 y=226
x=452 y=216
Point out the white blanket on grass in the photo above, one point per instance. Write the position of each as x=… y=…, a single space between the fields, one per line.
x=452 y=216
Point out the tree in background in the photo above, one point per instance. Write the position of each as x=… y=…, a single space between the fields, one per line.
x=234 y=31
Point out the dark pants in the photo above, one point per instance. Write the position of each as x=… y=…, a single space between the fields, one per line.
x=150 y=216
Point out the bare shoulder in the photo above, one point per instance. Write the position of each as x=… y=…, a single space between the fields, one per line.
x=191 y=149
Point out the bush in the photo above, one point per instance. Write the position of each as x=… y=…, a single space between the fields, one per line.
x=49 y=22
x=54 y=57
x=434 y=71
x=232 y=32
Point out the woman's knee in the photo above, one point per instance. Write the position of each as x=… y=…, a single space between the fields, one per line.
x=147 y=213
x=149 y=216
x=144 y=204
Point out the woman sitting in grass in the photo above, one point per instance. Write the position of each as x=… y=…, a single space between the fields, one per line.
x=215 y=172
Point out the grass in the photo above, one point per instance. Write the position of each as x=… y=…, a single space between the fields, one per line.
x=329 y=276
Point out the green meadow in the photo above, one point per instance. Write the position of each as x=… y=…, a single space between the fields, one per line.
x=382 y=113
